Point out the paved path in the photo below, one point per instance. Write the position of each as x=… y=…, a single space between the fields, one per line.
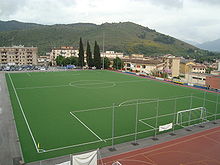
x=9 y=145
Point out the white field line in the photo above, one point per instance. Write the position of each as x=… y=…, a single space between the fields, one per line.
x=154 y=101
x=116 y=137
x=148 y=118
x=21 y=108
x=53 y=86
x=92 y=142
x=92 y=83
x=93 y=109
x=211 y=113
x=118 y=106
x=131 y=81
x=112 y=84
x=87 y=127
x=206 y=99
x=135 y=100
x=28 y=74
x=71 y=146
x=70 y=84
x=147 y=124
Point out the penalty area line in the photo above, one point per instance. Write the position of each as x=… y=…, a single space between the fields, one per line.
x=87 y=127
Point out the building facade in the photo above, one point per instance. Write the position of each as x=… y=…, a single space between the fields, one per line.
x=112 y=54
x=196 y=78
x=64 y=51
x=18 y=55
x=142 y=66
x=43 y=60
x=198 y=68
x=171 y=65
x=186 y=66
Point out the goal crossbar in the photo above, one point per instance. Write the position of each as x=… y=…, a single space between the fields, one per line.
x=189 y=114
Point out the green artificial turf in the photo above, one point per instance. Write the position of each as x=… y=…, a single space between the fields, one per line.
x=47 y=98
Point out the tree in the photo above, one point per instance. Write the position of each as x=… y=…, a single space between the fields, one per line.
x=97 y=57
x=118 y=63
x=74 y=60
x=59 y=60
x=62 y=61
x=106 y=63
x=81 y=54
x=89 y=56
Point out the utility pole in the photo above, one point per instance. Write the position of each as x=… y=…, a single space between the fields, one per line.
x=103 y=50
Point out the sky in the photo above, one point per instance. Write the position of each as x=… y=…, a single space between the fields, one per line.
x=188 y=20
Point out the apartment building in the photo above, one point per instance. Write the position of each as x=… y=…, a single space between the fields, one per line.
x=18 y=55
x=43 y=60
x=198 y=68
x=186 y=66
x=65 y=51
x=171 y=65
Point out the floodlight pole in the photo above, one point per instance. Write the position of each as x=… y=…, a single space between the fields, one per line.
x=136 y=124
x=190 y=107
x=103 y=50
x=113 y=127
x=174 y=118
x=156 y=123
x=71 y=160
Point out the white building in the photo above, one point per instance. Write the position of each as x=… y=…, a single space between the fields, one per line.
x=112 y=54
x=143 y=66
x=171 y=65
x=64 y=51
x=195 y=78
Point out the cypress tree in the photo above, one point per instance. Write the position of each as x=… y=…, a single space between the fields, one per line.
x=118 y=63
x=89 y=56
x=97 y=57
x=81 y=54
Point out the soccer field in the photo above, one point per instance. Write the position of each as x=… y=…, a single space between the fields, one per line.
x=60 y=113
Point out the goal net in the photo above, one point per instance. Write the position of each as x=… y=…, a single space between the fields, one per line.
x=191 y=116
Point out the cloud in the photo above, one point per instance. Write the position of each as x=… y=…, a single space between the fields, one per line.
x=8 y=7
x=196 y=20
x=168 y=3
x=210 y=2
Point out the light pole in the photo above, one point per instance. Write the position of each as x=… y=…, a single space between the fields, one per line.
x=103 y=50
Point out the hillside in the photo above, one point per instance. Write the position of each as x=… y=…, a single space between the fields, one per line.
x=211 y=45
x=15 y=25
x=126 y=37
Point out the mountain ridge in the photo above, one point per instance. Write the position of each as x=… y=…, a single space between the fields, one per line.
x=126 y=37
x=211 y=45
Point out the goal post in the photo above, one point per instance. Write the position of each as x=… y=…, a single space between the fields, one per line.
x=192 y=116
